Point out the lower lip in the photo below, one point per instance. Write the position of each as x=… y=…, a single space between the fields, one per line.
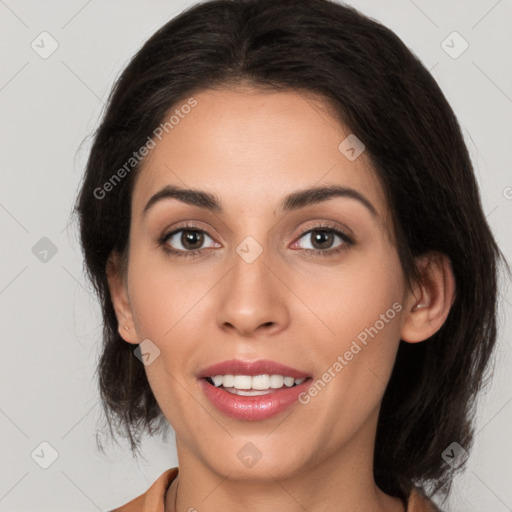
x=253 y=408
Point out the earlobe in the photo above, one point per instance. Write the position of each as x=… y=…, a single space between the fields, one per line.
x=430 y=301
x=120 y=299
x=126 y=333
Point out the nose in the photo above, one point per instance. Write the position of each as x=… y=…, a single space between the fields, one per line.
x=252 y=300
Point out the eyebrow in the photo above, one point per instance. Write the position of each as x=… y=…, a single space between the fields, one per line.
x=294 y=201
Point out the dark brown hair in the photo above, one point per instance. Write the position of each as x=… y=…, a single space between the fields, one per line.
x=382 y=92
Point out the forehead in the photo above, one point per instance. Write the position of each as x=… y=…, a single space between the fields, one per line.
x=251 y=148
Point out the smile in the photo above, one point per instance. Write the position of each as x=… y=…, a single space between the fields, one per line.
x=245 y=385
x=236 y=388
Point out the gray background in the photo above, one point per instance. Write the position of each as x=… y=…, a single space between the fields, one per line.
x=50 y=319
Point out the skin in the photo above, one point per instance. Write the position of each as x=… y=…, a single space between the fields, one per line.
x=251 y=148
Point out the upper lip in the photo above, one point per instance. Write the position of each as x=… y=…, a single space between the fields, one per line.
x=251 y=368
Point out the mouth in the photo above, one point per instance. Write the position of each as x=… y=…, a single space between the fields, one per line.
x=252 y=390
x=257 y=385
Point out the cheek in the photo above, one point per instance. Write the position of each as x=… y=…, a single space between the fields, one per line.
x=362 y=308
x=162 y=296
x=356 y=296
x=168 y=306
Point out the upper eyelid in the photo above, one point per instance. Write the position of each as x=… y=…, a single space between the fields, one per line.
x=325 y=225
x=314 y=227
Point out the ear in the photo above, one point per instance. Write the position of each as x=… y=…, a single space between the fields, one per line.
x=120 y=299
x=429 y=303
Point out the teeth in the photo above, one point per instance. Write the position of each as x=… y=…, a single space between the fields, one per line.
x=260 y=382
x=289 y=381
x=217 y=380
x=276 y=381
x=257 y=382
x=242 y=382
x=228 y=379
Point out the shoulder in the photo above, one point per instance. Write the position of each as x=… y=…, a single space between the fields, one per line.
x=153 y=499
x=419 y=502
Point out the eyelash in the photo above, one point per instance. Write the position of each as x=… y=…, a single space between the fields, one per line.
x=347 y=241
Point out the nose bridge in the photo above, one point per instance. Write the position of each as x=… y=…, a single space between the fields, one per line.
x=251 y=295
x=250 y=265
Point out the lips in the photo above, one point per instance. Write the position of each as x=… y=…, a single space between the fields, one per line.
x=251 y=368
x=252 y=408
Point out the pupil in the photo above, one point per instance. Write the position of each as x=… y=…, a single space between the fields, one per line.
x=321 y=237
x=191 y=238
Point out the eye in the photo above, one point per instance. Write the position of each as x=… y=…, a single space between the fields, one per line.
x=324 y=240
x=190 y=241
x=186 y=241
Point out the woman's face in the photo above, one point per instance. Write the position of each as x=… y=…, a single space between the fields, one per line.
x=312 y=283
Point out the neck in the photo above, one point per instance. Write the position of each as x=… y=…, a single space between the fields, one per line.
x=342 y=481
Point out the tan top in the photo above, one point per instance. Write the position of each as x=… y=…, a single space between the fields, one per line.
x=153 y=499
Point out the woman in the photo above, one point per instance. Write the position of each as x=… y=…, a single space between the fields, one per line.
x=281 y=220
